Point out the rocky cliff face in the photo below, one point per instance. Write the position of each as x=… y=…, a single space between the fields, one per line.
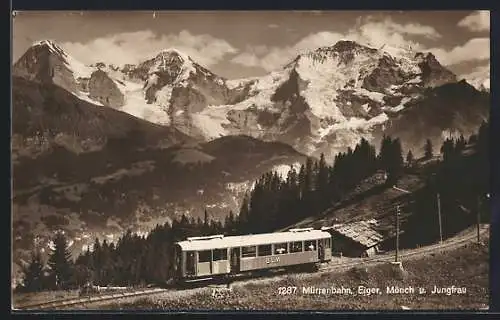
x=433 y=73
x=46 y=63
x=104 y=90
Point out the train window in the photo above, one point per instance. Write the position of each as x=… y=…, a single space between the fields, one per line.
x=327 y=243
x=310 y=245
x=250 y=251
x=281 y=248
x=264 y=250
x=204 y=256
x=296 y=246
x=220 y=254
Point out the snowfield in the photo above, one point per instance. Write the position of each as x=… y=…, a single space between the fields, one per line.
x=136 y=105
x=211 y=121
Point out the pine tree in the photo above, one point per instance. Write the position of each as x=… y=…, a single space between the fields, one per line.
x=33 y=274
x=385 y=154
x=205 y=220
x=333 y=185
x=229 y=223
x=244 y=214
x=409 y=158
x=322 y=183
x=306 y=183
x=322 y=180
x=105 y=272
x=60 y=262
x=397 y=161
x=309 y=176
x=199 y=225
x=448 y=150
x=302 y=181
x=460 y=144
x=97 y=261
x=314 y=178
x=482 y=144
x=428 y=149
x=391 y=158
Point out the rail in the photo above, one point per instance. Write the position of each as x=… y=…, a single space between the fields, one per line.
x=75 y=301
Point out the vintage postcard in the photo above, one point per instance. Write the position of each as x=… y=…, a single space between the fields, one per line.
x=259 y=160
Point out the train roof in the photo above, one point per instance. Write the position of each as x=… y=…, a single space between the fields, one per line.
x=220 y=242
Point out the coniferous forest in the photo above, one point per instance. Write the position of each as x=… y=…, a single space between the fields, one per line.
x=460 y=177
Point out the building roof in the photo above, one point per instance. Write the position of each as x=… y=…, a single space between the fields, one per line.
x=219 y=242
x=360 y=231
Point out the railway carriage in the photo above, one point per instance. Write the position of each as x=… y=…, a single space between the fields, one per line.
x=217 y=256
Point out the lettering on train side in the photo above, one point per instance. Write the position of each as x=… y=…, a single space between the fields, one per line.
x=272 y=259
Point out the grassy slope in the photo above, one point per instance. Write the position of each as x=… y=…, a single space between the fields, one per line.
x=467 y=267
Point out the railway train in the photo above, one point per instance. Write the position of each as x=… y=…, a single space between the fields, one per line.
x=217 y=256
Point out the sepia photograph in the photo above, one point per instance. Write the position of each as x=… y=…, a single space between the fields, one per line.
x=250 y=160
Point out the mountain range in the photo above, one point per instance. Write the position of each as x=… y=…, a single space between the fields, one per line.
x=322 y=101
x=99 y=148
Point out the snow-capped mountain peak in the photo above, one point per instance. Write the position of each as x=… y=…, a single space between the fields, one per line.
x=174 y=52
x=79 y=69
x=173 y=63
x=51 y=45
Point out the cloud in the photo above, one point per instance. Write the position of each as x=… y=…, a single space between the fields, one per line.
x=476 y=21
x=390 y=34
x=257 y=49
x=390 y=29
x=247 y=59
x=272 y=26
x=274 y=57
x=476 y=49
x=134 y=47
x=370 y=30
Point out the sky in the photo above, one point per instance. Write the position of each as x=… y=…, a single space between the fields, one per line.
x=238 y=44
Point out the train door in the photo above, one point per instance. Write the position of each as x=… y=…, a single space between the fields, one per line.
x=190 y=263
x=321 y=248
x=235 y=260
x=324 y=249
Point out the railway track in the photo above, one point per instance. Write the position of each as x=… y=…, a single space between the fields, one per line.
x=387 y=257
x=56 y=304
